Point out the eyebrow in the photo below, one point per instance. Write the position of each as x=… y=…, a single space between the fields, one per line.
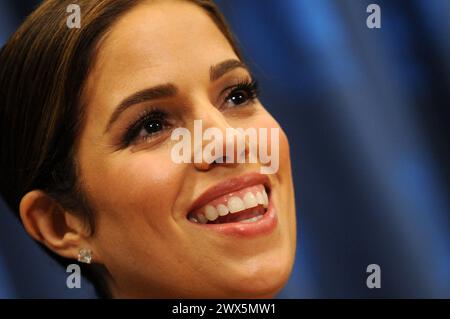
x=156 y=92
x=218 y=70
x=169 y=89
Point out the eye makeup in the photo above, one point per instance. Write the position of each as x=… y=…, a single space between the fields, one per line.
x=244 y=92
x=154 y=121
x=149 y=124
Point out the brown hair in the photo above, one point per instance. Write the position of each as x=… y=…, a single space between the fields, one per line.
x=43 y=68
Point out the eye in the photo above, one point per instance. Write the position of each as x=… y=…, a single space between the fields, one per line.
x=149 y=125
x=238 y=97
x=242 y=93
x=152 y=126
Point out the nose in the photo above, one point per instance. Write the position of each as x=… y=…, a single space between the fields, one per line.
x=217 y=143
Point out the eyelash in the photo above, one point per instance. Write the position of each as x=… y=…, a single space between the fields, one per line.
x=247 y=86
x=135 y=128
x=250 y=88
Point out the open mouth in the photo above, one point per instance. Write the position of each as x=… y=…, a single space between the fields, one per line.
x=246 y=205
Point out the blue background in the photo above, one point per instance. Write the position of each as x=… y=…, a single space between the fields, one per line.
x=367 y=112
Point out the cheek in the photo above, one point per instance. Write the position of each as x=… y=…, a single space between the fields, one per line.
x=133 y=196
x=132 y=187
x=285 y=156
x=265 y=120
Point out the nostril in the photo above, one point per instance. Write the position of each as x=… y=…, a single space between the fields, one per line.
x=222 y=159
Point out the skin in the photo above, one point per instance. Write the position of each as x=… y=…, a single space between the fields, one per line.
x=141 y=197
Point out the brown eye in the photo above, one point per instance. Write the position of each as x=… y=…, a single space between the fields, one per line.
x=238 y=97
x=152 y=126
x=242 y=94
x=147 y=126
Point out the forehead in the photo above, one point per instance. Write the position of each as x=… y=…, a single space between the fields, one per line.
x=157 y=42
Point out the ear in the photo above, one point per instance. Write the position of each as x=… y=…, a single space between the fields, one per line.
x=59 y=230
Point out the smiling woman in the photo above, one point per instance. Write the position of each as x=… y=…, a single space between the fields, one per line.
x=86 y=118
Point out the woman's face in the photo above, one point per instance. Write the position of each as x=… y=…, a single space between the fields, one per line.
x=149 y=236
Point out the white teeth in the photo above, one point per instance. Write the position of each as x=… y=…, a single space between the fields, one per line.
x=202 y=219
x=250 y=200
x=222 y=210
x=235 y=204
x=259 y=198
x=266 y=199
x=193 y=219
x=211 y=213
x=252 y=220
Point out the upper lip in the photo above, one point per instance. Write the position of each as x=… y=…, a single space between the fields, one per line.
x=230 y=185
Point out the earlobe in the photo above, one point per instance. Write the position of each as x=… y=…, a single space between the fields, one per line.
x=46 y=221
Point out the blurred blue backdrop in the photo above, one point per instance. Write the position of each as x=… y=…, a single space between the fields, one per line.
x=367 y=112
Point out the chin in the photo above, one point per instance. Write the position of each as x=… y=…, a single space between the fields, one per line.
x=260 y=279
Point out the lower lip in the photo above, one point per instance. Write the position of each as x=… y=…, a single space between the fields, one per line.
x=263 y=226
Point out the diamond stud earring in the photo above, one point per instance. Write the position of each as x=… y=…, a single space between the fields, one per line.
x=85 y=255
